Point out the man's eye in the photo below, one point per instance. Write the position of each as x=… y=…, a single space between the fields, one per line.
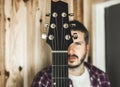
x=78 y=43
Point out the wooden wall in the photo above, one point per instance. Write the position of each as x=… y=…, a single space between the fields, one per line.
x=22 y=50
x=26 y=52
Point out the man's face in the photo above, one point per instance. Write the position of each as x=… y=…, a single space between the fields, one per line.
x=77 y=50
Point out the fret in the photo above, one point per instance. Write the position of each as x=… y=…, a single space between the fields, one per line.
x=57 y=51
x=59 y=77
x=60 y=65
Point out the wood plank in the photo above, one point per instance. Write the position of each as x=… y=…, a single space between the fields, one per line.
x=15 y=41
x=42 y=58
x=2 y=45
x=78 y=10
x=30 y=43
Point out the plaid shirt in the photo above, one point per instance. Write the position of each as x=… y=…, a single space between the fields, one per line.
x=97 y=78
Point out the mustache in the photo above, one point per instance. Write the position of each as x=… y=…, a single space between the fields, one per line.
x=72 y=55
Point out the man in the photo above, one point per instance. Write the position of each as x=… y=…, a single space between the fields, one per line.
x=81 y=74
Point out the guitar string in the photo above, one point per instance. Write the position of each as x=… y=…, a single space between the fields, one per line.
x=62 y=56
x=66 y=45
x=66 y=61
x=56 y=48
x=62 y=39
x=57 y=73
x=62 y=33
x=53 y=60
x=64 y=68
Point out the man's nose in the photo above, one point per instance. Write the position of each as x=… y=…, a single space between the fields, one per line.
x=71 y=49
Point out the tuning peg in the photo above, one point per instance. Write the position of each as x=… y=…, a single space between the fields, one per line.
x=63 y=14
x=44 y=35
x=51 y=37
x=67 y=37
x=47 y=25
x=71 y=14
x=48 y=14
x=53 y=26
x=54 y=14
x=65 y=25
x=75 y=35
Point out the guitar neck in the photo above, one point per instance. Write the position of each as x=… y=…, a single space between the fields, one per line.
x=59 y=38
x=59 y=69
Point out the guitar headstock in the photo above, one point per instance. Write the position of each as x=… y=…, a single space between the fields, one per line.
x=59 y=35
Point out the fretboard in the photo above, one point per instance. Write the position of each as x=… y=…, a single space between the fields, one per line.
x=59 y=69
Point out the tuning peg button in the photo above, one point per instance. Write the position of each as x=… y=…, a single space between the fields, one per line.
x=65 y=25
x=75 y=36
x=64 y=14
x=47 y=25
x=51 y=37
x=53 y=25
x=48 y=14
x=67 y=37
x=44 y=35
x=71 y=14
x=54 y=14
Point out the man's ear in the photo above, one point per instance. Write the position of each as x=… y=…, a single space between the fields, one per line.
x=88 y=48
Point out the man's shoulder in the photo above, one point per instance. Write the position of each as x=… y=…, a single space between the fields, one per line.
x=46 y=70
x=93 y=68
x=42 y=78
x=98 y=76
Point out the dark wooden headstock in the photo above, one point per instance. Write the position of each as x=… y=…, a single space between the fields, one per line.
x=59 y=35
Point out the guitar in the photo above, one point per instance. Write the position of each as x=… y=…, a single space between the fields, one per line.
x=59 y=38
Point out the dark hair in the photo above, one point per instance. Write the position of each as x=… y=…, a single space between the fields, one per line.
x=77 y=26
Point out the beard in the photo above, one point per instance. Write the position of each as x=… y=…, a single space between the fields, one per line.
x=81 y=61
